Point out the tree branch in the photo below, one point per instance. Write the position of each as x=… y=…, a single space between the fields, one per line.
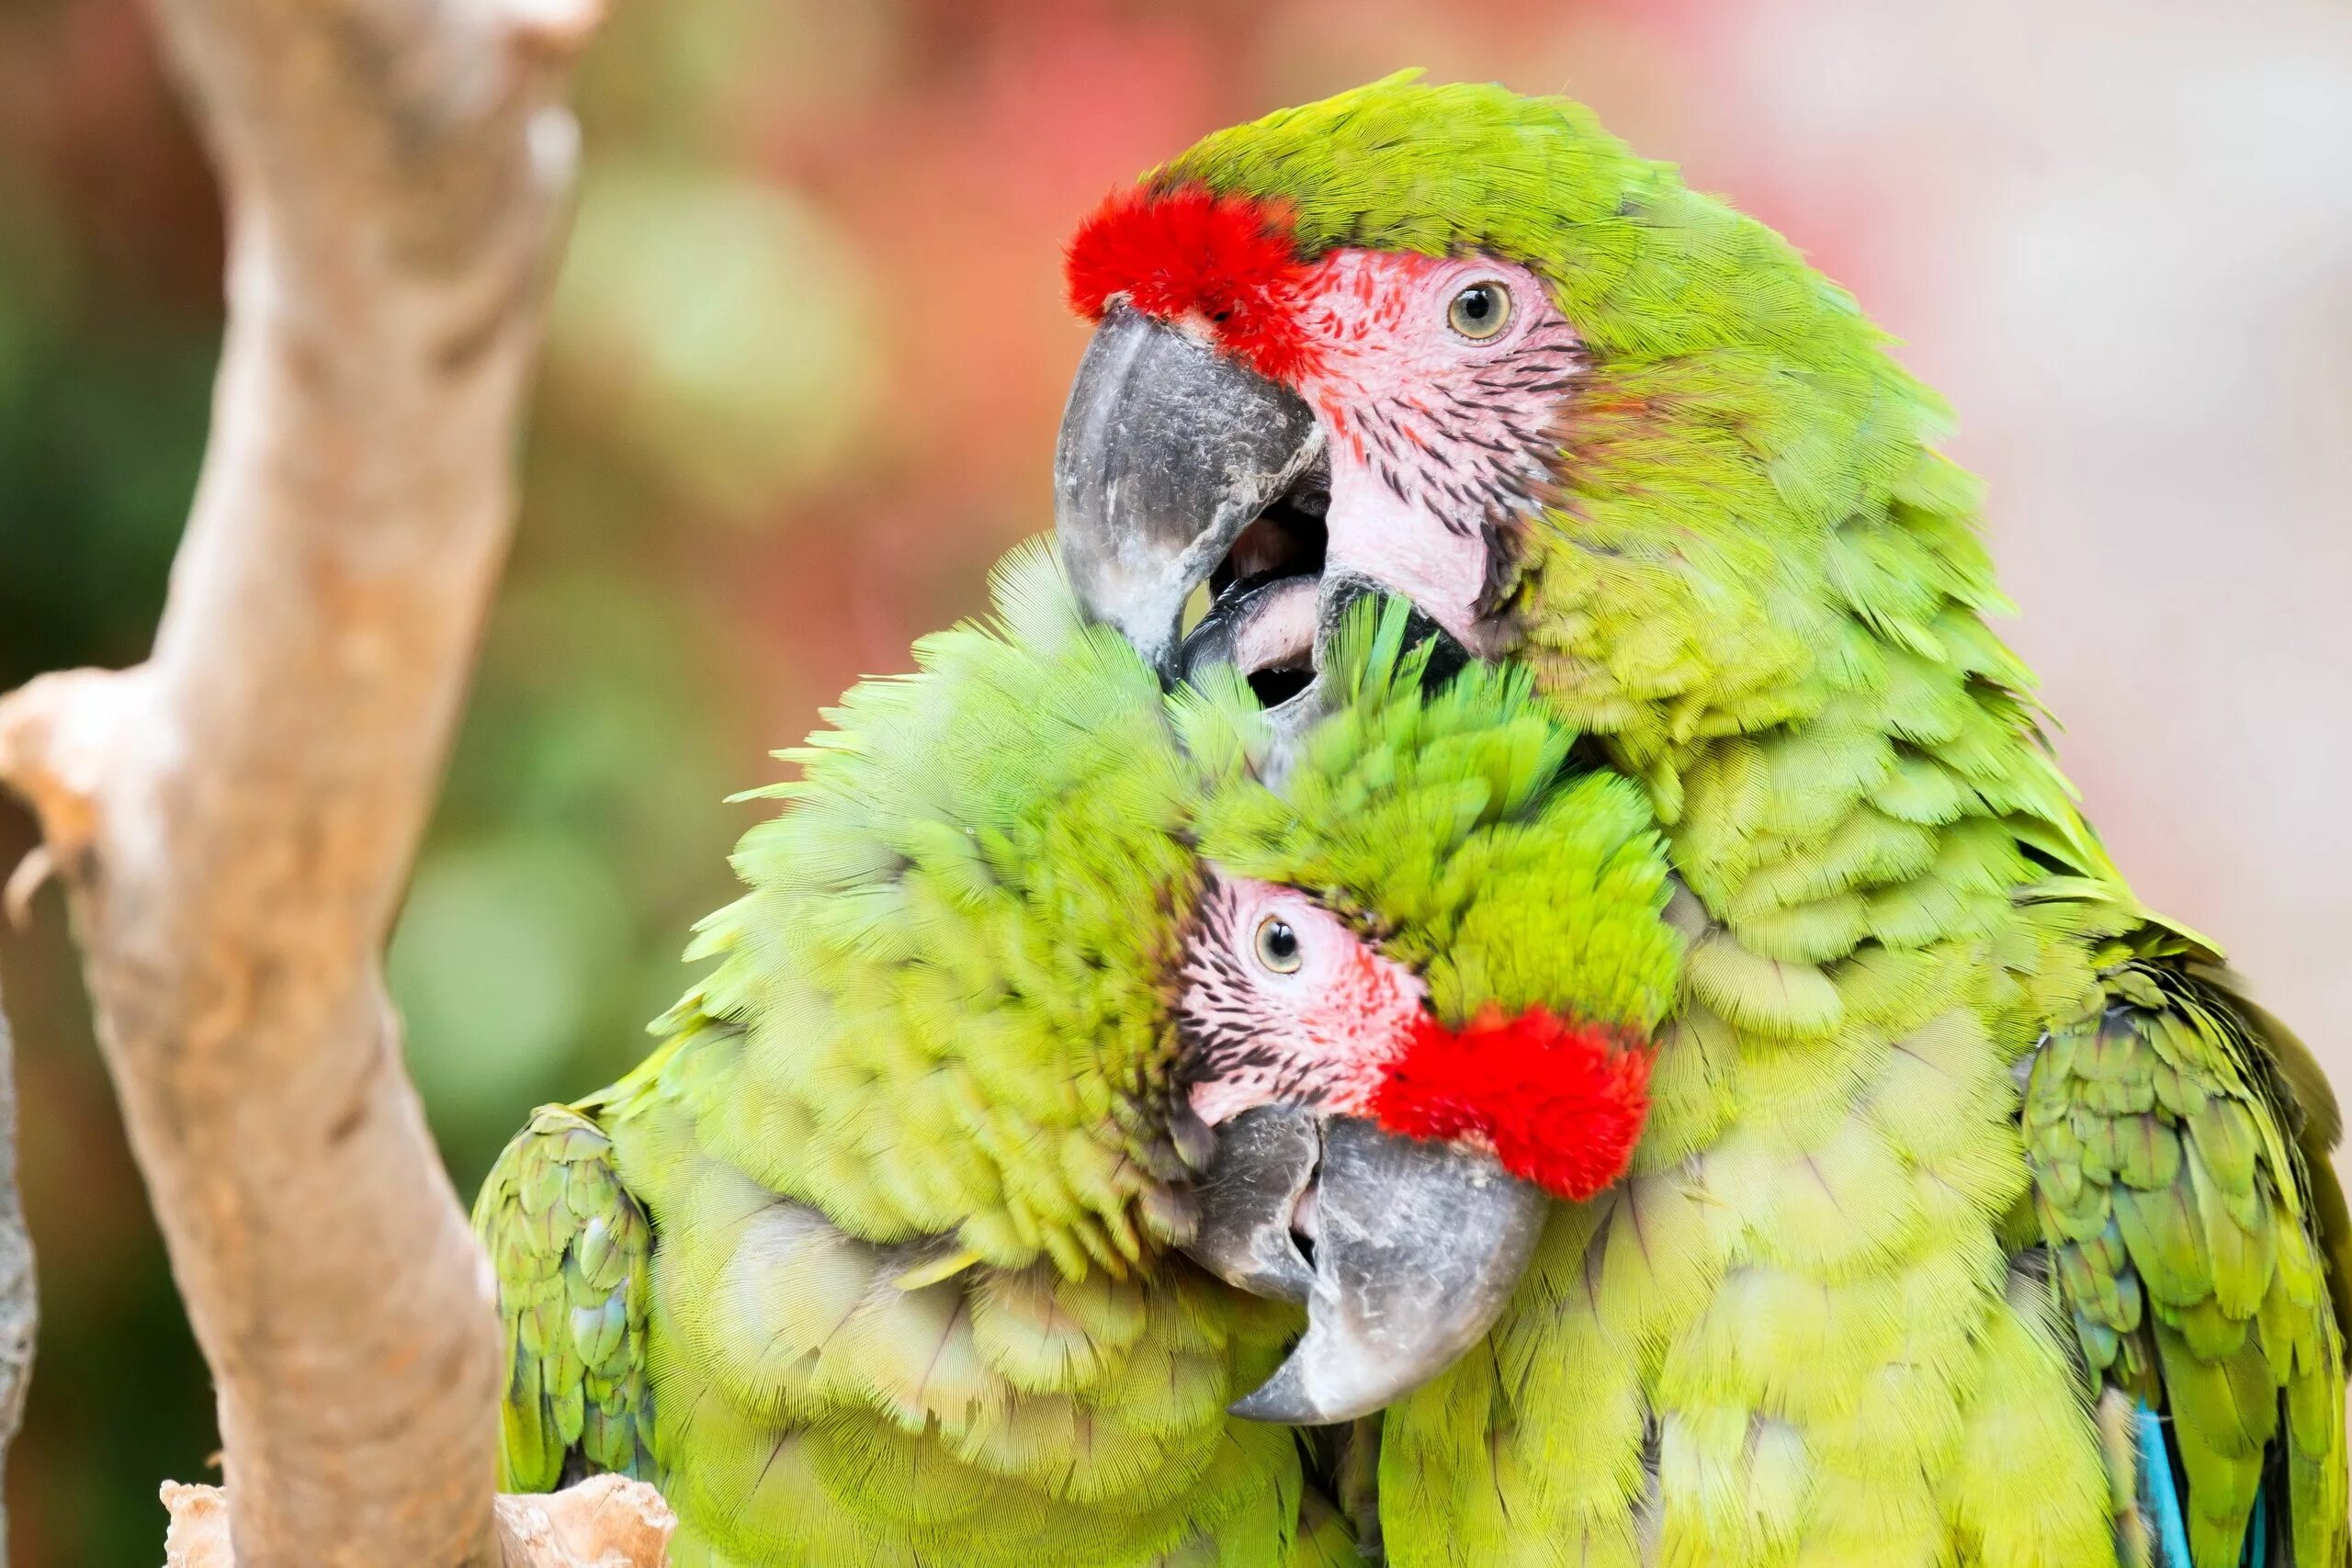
x=603 y=1522
x=235 y=819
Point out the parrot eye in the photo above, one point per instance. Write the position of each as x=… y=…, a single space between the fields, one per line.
x=1479 y=311
x=1278 y=945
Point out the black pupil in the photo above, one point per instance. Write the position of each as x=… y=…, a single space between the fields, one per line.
x=1478 y=304
x=1281 y=941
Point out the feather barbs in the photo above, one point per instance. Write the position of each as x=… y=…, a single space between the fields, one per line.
x=1190 y=253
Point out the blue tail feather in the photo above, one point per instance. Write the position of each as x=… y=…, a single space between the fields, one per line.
x=2158 y=1495
x=2160 y=1500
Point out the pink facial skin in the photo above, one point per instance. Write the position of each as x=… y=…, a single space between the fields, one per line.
x=1439 y=444
x=1320 y=1034
x=1320 y=1019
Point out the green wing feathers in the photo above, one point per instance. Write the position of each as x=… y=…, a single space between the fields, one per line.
x=2319 y=1124
x=828 y=1398
x=572 y=1254
x=2191 y=1227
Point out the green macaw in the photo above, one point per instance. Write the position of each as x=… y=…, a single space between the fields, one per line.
x=1981 y=1217
x=874 y=1260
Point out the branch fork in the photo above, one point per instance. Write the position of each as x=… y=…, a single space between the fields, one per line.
x=235 y=819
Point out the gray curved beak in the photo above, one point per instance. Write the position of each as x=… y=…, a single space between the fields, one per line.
x=1263 y=1166
x=1417 y=1248
x=1177 y=467
x=1168 y=451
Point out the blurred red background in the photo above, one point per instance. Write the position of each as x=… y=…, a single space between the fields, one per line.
x=805 y=366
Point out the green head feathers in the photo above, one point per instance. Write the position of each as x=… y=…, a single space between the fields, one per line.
x=953 y=974
x=1714 y=506
x=952 y=964
x=1445 y=824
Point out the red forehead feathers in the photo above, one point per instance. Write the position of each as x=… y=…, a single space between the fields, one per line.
x=1189 y=252
x=1561 y=1104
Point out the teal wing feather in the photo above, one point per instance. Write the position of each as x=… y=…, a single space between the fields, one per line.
x=572 y=1252
x=2182 y=1183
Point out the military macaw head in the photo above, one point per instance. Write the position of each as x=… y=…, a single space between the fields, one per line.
x=1463 y=346
x=1425 y=965
x=1043 y=963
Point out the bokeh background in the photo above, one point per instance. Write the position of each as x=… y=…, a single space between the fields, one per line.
x=806 y=362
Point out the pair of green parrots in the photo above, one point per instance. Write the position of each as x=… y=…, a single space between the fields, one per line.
x=1568 y=1017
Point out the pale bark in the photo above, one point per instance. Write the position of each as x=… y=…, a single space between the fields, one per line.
x=234 y=820
x=603 y=1522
